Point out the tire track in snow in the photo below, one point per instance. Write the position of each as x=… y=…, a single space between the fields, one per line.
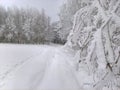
x=59 y=75
x=15 y=67
x=48 y=56
x=55 y=73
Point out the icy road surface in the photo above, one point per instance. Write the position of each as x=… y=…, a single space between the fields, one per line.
x=36 y=67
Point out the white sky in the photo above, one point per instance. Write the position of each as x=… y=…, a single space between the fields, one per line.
x=51 y=6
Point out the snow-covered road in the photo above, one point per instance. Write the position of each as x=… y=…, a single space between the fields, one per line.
x=28 y=67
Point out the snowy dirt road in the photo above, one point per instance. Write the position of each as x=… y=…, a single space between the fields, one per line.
x=39 y=67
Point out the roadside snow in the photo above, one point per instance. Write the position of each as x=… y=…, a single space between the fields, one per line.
x=28 y=67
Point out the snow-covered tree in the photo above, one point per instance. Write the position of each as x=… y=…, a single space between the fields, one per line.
x=66 y=15
x=95 y=37
x=10 y=28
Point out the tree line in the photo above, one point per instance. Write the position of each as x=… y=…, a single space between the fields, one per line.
x=26 y=26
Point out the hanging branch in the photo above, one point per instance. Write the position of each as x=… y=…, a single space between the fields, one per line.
x=116 y=61
x=117 y=5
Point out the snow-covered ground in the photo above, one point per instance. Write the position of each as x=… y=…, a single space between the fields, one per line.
x=38 y=67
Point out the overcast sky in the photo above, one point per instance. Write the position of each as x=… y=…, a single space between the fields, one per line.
x=51 y=6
